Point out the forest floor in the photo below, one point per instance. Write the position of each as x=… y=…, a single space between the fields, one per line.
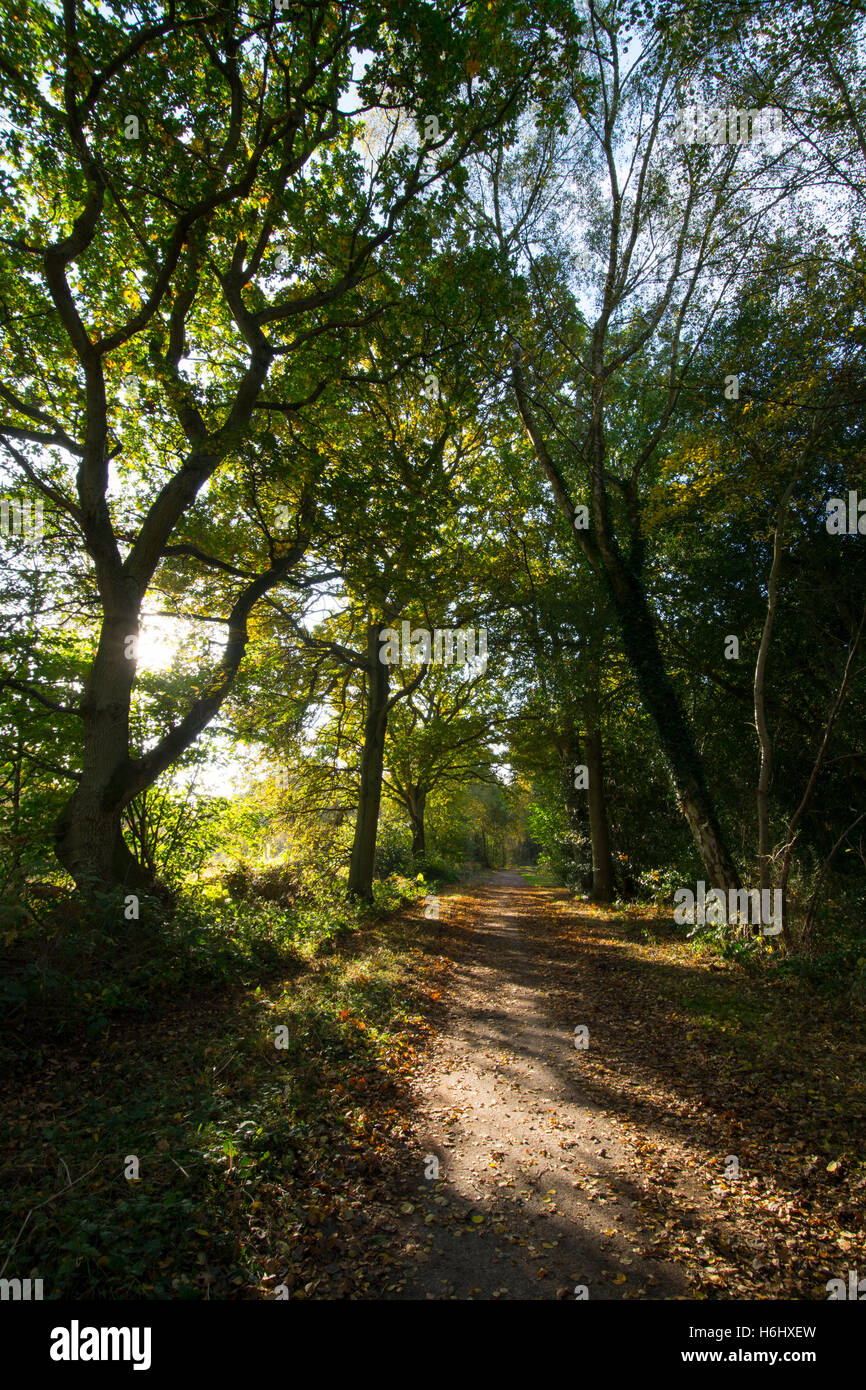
x=707 y=1142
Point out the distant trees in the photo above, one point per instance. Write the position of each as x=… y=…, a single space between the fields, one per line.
x=440 y=738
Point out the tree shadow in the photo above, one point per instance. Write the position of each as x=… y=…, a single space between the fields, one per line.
x=671 y=1054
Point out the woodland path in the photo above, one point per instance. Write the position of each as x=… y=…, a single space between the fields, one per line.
x=538 y=1191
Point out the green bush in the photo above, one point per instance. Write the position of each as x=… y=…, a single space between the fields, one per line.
x=76 y=965
x=393 y=849
x=435 y=869
x=272 y=883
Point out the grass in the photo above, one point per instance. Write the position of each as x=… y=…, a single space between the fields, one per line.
x=539 y=878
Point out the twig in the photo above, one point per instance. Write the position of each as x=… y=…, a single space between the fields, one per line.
x=52 y=1198
x=216 y=1070
x=807 y=925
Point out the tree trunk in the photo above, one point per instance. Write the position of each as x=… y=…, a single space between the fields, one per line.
x=675 y=736
x=88 y=835
x=481 y=844
x=88 y=838
x=762 y=794
x=362 y=863
x=602 y=863
x=416 y=803
x=574 y=799
x=637 y=625
x=599 y=829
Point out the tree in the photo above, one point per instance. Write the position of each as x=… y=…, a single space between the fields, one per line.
x=391 y=543
x=655 y=241
x=196 y=209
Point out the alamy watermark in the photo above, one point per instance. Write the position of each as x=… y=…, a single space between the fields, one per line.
x=837 y=1289
x=850 y=521
x=715 y=908
x=418 y=645
x=77 y=1343
x=23 y=1290
x=21 y=518
x=726 y=125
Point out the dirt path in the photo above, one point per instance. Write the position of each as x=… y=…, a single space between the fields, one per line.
x=538 y=1196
